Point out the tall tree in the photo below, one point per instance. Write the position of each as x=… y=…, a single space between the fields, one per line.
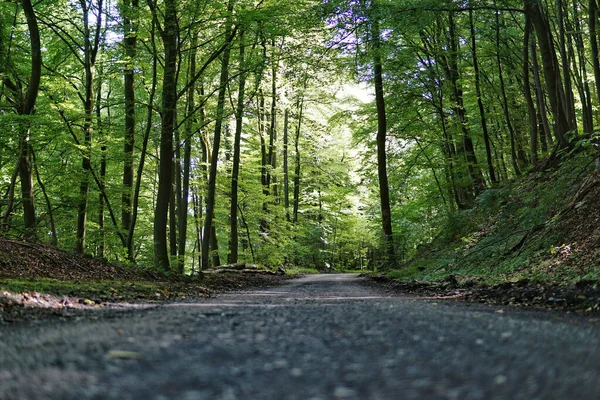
x=384 y=190
x=169 y=34
x=27 y=108
x=212 y=177
x=235 y=171
x=484 y=127
x=130 y=14
x=90 y=53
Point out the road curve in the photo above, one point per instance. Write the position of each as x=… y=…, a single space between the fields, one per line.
x=317 y=337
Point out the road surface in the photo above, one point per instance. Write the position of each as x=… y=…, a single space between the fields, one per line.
x=318 y=337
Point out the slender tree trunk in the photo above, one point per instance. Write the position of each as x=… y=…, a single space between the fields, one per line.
x=459 y=110
x=212 y=178
x=130 y=13
x=541 y=103
x=187 y=160
x=533 y=124
x=272 y=157
x=550 y=67
x=511 y=131
x=143 y=152
x=25 y=148
x=90 y=50
x=297 y=161
x=215 y=258
x=580 y=71
x=235 y=171
x=593 y=28
x=169 y=104
x=286 y=175
x=204 y=173
x=484 y=128
x=103 y=149
x=264 y=160
x=568 y=89
x=53 y=235
x=384 y=194
x=173 y=212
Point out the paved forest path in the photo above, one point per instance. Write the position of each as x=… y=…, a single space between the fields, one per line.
x=318 y=337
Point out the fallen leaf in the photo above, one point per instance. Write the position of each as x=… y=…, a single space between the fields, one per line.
x=124 y=354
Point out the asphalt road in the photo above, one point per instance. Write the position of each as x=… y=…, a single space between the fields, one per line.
x=319 y=337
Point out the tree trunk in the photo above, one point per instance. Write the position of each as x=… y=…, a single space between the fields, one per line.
x=101 y=213
x=25 y=149
x=551 y=70
x=593 y=28
x=286 y=175
x=140 y=169
x=511 y=131
x=272 y=157
x=484 y=128
x=459 y=110
x=533 y=124
x=580 y=71
x=212 y=177
x=169 y=104
x=187 y=160
x=239 y=119
x=297 y=161
x=568 y=89
x=129 y=13
x=384 y=194
x=89 y=54
x=541 y=103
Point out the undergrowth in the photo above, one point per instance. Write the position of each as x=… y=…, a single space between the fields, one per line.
x=539 y=228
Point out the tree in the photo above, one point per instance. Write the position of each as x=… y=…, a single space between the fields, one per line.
x=384 y=195
x=169 y=33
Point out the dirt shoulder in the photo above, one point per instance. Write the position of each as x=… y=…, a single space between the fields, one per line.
x=583 y=297
x=38 y=281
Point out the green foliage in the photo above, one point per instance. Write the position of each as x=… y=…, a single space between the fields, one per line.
x=515 y=232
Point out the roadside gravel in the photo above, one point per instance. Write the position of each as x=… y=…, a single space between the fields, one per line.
x=318 y=337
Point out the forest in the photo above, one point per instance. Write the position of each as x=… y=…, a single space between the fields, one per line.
x=319 y=134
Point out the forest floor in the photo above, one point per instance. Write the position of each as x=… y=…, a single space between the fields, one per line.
x=38 y=281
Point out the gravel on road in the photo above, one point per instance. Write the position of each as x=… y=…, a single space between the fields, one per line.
x=318 y=337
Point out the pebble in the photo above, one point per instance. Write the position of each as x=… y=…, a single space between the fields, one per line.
x=342 y=392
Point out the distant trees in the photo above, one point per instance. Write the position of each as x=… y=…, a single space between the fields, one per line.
x=154 y=110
